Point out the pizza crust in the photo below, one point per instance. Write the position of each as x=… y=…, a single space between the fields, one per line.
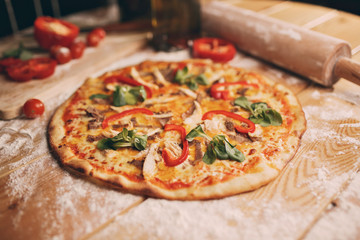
x=148 y=181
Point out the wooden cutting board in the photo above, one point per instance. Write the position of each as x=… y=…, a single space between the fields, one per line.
x=14 y=94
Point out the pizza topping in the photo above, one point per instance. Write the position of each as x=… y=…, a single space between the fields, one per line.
x=218 y=50
x=117 y=116
x=250 y=125
x=135 y=74
x=188 y=92
x=260 y=112
x=169 y=160
x=183 y=76
x=257 y=134
x=217 y=91
x=127 y=80
x=218 y=148
x=95 y=113
x=126 y=138
x=195 y=117
x=160 y=78
x=126 y=95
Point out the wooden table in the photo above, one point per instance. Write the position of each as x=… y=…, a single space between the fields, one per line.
x=316 y=197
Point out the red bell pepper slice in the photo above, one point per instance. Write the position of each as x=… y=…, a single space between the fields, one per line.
x=21 y=72
x=127 y=80
x=8 y=62
x=169 y=160
x=50 y=31
x=224 y=94
x=44 y=67
x=251 y=125
x=218 y=50
x=39 y=68
x=117 y=116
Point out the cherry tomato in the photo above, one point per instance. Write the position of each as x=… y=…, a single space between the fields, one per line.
x=33 y=108
x=95 y=36
x=21 y=72
x=218 y=50
x=77 y=49
x=93 y=39
x=100 y=32
x=44 y=67
x=7 y=62
x=60 y=54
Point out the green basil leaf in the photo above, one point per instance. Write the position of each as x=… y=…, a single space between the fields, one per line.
x=105 y=143
x=243 y=102
x=258 y=108
x=196 y=132
x=192 y=84
x=125 y=138
x=130 y=99
x=210 y=155
x=181 y=75
x=102 y=96
x=274 y=116
x=117 y=145
x=118 y=97
x=202 y=80
x=221 y=151
x=132 y=133
x=233 y=152
x=139 y=92
x=140 y=142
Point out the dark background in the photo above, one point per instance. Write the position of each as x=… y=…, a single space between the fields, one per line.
x=131 y=9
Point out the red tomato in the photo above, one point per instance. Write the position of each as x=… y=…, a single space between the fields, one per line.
x=33 y=108
x=44 y=67
x=77 y=49
x=216 y=49
x=100 y=32
x=50 y=31
x=60 y=54
x=93 y=39
x=8 y=62
x=21 y=72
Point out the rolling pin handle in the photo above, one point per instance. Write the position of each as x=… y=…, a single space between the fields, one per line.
x=348 y=69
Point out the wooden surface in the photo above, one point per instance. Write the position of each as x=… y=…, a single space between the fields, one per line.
x=314 y=198
x=13 y=94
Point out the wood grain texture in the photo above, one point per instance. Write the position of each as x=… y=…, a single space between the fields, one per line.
x=40 y=200
x=66 y=76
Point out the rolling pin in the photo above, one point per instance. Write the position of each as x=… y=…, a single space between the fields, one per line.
x=319 y=57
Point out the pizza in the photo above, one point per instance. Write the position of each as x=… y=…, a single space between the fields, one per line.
x=179 y=130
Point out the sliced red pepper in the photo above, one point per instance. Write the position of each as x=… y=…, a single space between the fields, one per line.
x=127 y=80
x=218 y=50
x=8 y=62
x=50 y=31
x=251 y=125
x=169 y=160
x=21 y=72
x=39 y=68
x=44 y=67
x=117 y=116
x=224 y=94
